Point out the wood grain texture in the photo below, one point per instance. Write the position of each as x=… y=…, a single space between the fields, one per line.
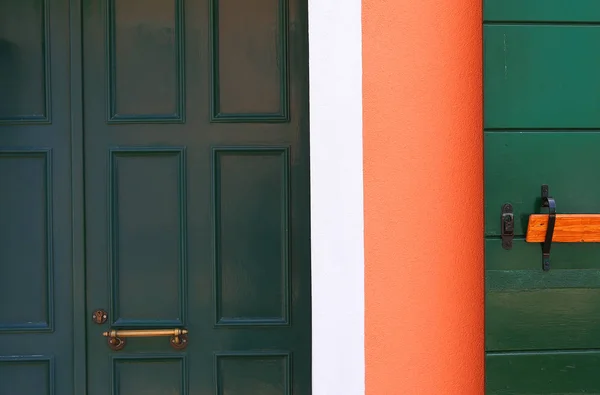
x=569 y=228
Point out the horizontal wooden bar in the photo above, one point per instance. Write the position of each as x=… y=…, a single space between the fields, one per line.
x=568 y=228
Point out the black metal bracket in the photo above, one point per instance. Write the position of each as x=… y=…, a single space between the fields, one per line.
x=507 y=226
x=549 y=203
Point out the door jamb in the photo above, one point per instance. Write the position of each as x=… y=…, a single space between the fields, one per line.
x=336 y=179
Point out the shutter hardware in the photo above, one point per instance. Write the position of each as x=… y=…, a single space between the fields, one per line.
x=507 y=226
x=548 y=202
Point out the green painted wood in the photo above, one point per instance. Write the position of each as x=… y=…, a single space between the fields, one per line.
x=189 y=218
x=237 y=301
x=541 y=76
x=187 y=221
x=518 y=163
x=131 y=99
x=36 y=299
x=541 y=11
x=527 y=309
x=26 y=76
x=564 y=373
x=27 y=375
x=162 y=374
x=541 y=120
x=264 y=74
x=526 y=256
x=80 y=316
x=257 y=368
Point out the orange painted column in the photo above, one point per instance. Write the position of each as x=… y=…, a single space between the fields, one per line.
x=423 y=186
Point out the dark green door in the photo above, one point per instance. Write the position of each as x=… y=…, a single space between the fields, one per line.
x=36 y=300
x=542 y=123
x=195 y=192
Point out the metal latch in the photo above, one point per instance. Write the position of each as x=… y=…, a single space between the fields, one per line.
x=549 y=203
x=507 y=226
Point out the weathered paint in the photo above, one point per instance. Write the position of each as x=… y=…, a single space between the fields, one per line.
x=423 y=186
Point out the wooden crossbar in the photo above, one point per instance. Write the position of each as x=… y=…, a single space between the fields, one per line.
x=569 y=228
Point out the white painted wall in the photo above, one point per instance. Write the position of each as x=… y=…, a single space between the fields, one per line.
x=335 y=66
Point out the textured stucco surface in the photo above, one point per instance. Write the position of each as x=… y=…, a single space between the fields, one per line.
x=423 y=190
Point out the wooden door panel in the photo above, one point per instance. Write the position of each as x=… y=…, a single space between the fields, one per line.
x=250 y=60
x=149 y=373
x=529 y=310
x=145 y=65
x=252 y=262
x=541 y=76
x=541 y=110
x=25 y=75
x=196 y=151
x=147 y=202
x=26 y=240
x=36 y=343
x=247 y=373
x=541 y=11
x=565 y=373
x=517 y=163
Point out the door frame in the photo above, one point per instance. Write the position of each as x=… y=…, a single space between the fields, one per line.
x=336 y=200
x=336 y=182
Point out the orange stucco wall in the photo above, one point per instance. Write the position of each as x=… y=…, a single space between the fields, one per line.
x=423 y=182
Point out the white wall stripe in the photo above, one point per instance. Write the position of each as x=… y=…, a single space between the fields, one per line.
x=335 y=67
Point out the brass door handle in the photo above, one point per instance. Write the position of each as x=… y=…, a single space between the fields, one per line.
x=116 y=337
